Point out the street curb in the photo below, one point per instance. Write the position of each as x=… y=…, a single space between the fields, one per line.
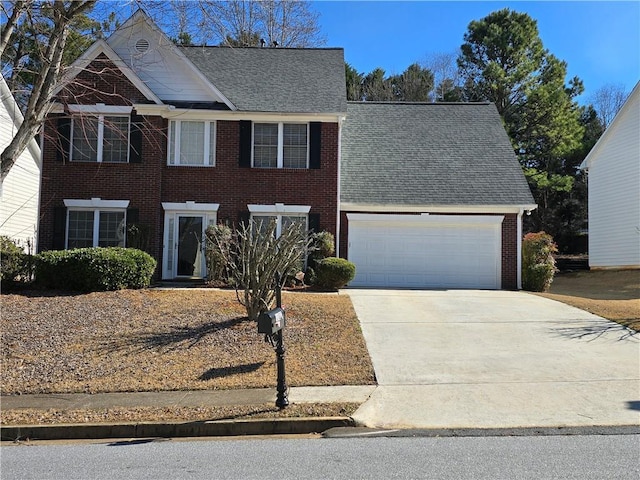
x=218 y=428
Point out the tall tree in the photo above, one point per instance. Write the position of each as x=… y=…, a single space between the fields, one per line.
x=504 y=61
x=354 y=83
x=607 y=100
x=48 y=26
x=446 y=76
x=413 y=85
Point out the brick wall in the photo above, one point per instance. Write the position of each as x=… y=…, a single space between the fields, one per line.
x=151 y=182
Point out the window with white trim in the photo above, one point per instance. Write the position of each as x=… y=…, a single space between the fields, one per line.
x=192 y=143
x=283 y=215
x=280 y=145
x=96 y=228
x=100 y=138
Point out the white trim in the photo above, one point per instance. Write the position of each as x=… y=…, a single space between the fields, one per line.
x=339 y=190
x=190 y=207
x=91 y=54
x=279 y=209
x=592 y=155
x=170 y=112
x=427 y=219
x=519 y=250
x=96 y=203
x=101 y=108
x=100 y=137
x=360 y=207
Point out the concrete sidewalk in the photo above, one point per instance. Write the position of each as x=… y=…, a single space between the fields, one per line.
x=205 y=398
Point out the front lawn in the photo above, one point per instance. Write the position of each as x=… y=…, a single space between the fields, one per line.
x=611 y=294
x=186 y=339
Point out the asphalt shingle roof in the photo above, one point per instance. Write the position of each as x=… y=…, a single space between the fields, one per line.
x=293 y=80
x=429 y=154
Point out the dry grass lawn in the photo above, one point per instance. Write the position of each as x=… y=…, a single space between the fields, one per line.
x=611 y=294
x=186 y=339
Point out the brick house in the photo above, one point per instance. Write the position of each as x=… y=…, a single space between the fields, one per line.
x=171 y=139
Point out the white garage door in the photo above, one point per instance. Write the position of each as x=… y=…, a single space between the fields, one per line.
x=425 y=251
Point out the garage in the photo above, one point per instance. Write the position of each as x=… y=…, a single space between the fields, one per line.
x=425 y=251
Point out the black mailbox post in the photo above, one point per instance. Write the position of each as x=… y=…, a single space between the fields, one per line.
x=271 y=324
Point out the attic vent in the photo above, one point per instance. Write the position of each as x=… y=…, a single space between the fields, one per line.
x=142 y=45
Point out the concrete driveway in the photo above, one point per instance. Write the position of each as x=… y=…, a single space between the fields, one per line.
x=494 y=359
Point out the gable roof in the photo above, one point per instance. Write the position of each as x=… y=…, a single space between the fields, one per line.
x=417 y=154
x=283 y=80
x=632 y=102
x=100 y=47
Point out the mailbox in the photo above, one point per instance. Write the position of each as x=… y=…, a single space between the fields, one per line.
x=272 y=321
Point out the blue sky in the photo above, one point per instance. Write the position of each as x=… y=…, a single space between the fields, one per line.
x=600 y=41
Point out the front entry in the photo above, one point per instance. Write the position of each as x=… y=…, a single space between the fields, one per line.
x=189 y=246
x=184 y=245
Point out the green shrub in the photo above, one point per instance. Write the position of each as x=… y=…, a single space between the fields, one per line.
x=538 y=264
x=95 y=269
x=334 y=272
x=14 y=263
x=322 y=246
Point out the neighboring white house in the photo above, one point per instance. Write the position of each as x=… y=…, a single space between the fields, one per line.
x=613 y=166
x=20 y=191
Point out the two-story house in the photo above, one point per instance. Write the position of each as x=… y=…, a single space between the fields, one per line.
x=170 y=139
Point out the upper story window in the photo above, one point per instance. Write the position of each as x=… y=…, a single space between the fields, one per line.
x=100 y=138
x=280 y=145
x=192 y=143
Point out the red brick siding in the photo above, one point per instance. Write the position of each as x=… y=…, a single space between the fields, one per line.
x=152 y=182
x=509 y=245
x=234 y=187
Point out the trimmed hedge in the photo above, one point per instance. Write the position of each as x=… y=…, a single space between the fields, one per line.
x=95 y=269
x=332 y=272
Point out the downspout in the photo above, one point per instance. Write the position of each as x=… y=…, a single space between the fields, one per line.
x=337 y=239
x=519 y=249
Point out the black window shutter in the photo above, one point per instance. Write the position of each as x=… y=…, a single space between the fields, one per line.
x=245 y=144
x=59 y=227
x=314 y=222
x=315 y=134
x=133 y=216
x=64 y=138
x=244 y=217
x=135 y=138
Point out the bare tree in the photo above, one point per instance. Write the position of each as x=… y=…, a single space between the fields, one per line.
x=57 y=17
x=258 y=261
x=285 y=23
x=446 y=75
x=607 y=100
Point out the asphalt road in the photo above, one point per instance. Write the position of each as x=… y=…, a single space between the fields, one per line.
x=513 y=458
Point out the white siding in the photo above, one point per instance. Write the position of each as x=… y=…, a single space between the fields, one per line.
x=166 y=73
x=20 y=190
x=614 y=191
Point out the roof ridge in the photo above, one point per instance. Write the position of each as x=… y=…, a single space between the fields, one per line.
x=379 y=102
x=257 y=47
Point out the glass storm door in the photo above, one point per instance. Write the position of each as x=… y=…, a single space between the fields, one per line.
x=190 y=256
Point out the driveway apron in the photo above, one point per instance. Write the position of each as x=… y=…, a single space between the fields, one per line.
x=494 y=359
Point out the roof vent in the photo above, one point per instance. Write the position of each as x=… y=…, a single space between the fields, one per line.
x=142 y=45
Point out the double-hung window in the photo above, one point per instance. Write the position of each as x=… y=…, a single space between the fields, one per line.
x=281 y=145
x=192 y=143
x=96 y=223
x=283 y=215
x=100 y=138
x=96 y=228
